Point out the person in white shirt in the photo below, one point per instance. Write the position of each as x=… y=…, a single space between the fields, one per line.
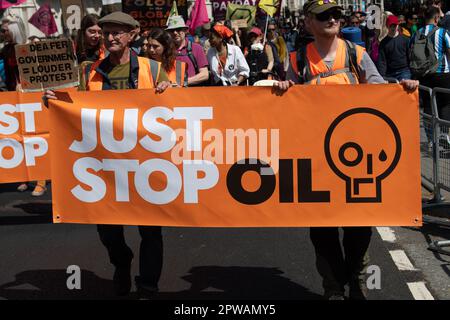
x=227 y=62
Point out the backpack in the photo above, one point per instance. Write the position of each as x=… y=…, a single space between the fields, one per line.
x=423 y=60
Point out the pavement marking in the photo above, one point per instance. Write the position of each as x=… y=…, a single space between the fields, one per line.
x=387 y=234
x=401 y=260
x=419 y=291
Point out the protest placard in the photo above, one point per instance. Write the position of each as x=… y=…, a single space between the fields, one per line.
x=240 y=157
x=24 y=137
x=240 y=12
x=49 y=64
x=241 y=23
x=153 y=13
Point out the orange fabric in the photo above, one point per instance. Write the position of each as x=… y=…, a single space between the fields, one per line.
x=145 y=79
x=301 y=119
x=172 y=74
x=25 y=168
x=318 y=66
x=293 y=58
x=223 y=31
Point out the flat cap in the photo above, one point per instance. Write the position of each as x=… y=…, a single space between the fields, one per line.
x=119 y=17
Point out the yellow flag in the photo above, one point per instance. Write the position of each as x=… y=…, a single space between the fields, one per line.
x=269 y=6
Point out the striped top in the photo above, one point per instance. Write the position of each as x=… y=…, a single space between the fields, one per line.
x=441 y=42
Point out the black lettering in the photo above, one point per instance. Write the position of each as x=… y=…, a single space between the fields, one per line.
x=234 y=183
x=286 y=169
x=305 y=192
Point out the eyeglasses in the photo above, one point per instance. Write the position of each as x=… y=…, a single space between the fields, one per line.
x=115 y=34
x=325 y=16
x=178 y=30
x=271 y=29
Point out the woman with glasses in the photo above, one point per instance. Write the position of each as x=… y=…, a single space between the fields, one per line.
x=227 y=62
x=161 y=47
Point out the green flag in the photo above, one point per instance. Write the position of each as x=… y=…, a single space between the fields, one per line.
x=239 y=12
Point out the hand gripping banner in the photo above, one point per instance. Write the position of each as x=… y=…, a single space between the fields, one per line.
x=238 y=157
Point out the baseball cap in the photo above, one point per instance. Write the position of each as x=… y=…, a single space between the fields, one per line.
x=319 y=6
x=391 y=20
x=256 y=31
x=119 y=17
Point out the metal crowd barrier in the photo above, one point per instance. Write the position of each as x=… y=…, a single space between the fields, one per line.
x=435 y=161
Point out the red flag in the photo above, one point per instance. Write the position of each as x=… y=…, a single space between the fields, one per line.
x=43 y=20
x=4 y=4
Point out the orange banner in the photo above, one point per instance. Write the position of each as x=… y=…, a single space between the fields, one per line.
x=24 y=137
x=238 y=157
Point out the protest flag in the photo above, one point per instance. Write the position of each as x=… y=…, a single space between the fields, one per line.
x=269 y=6
x=43 y=20
x=199 y=16
x=173 y=11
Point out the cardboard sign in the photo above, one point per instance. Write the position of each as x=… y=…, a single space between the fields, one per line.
x=72 y=12
x=47 y=64
x=153 y=14
x=24 y=137
x=238 y=12
x=241 y=23
x=238 y=157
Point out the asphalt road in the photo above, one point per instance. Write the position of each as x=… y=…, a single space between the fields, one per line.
x=198 y=263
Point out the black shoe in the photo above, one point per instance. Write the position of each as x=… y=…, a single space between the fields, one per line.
x=122 y=280
x=145 y=290
x=358 y=290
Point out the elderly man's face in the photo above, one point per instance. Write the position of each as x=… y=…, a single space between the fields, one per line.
x=117 y=37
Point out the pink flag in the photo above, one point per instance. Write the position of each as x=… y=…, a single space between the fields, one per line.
x=199 y=16
x=43 y=20
x=4 y=4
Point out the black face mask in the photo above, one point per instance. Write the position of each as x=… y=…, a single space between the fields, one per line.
x=325 y=16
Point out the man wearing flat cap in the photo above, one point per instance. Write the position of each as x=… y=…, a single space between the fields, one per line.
x=123 y=69
x=331 y=60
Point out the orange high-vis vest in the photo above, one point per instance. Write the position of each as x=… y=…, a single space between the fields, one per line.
x=148 y=75
x=343 y=71
x=178 y=74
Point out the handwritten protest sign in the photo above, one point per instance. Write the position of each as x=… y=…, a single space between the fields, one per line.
x=241 y=23
x=47 y=64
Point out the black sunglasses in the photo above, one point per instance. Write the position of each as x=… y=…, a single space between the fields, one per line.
x=325 y=16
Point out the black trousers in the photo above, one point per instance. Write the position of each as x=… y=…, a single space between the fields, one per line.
x=337 y=267
x=150 y=253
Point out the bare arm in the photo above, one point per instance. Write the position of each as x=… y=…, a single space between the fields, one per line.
x=202 y=76
x=270 y=58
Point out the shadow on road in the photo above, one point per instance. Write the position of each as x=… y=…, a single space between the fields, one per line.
x=51 y=284
x=215 y=282
x=40 y=213
x=207 y=283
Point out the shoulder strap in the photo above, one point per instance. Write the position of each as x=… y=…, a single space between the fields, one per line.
x=154 y=69
x=353 y=58
x=192 y=57
x=431 y=34
x=301 y=63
